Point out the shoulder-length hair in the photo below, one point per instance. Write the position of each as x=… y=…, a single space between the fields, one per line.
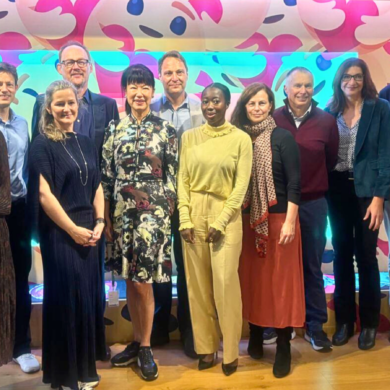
x=239 y=116
x=369 y=91
x=47 y=126
x=136 y=74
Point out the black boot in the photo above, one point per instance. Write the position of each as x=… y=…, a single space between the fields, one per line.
x=255 y=344
x=282 y=365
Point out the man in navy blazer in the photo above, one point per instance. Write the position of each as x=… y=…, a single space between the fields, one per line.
x=95 y=112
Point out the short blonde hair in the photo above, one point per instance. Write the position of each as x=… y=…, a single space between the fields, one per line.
x=47 y=126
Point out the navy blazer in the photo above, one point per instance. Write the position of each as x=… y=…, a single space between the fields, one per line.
x=371 y=167
x=104 y=110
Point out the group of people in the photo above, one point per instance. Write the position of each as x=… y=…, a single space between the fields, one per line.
x=244 y=203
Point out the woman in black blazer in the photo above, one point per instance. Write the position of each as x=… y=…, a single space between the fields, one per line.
x=358 y=187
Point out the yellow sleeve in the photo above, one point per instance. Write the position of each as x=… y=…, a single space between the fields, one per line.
x=242 y=177
x=183 y=184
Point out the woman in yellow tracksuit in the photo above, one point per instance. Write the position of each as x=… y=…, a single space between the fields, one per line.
x=214 y=172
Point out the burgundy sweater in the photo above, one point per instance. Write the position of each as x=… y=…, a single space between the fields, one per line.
x=318 y=141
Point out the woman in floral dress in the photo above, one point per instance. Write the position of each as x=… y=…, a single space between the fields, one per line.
x=139 y=181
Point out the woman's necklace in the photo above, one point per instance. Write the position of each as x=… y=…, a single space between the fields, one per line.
x=78 y=166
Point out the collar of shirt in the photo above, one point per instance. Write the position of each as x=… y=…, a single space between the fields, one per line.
x=299 y=119
x=12 y=117
x=87 y=97
x=168 y=105
x=135 y=120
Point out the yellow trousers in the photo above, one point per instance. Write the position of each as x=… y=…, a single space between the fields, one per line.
x=212 y=279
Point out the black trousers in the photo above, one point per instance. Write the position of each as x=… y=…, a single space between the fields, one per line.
x=351 y=236
x=20 y=240
x=163 y=291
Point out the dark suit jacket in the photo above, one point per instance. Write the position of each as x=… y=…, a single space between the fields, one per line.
x=104 y=110
x=372 y=150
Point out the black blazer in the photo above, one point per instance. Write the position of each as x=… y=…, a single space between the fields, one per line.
x=371 y=167
x=104 y=110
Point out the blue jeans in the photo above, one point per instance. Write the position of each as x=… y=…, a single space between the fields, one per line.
x=313 y=221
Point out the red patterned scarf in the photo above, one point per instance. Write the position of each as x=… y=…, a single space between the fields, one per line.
x=261 y=192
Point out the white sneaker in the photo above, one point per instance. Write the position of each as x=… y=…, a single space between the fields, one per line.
x=28 y=363
x=293 y=334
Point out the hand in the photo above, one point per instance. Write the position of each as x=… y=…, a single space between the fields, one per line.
x=213 y=236
x=109 y=230
x=97 y=234
x=287 y=233
x=188 y=235
x=81 y=235
x=375 y=210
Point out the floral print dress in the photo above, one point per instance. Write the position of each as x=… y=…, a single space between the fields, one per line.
x=139 y=180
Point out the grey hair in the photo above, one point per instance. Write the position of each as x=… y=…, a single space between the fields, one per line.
x=47 y=126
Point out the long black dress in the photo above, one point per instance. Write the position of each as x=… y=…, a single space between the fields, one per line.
x=73 y=327
x=7 y=274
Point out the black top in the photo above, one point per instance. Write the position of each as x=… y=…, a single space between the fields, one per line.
x=286 y=169
x=50 y=159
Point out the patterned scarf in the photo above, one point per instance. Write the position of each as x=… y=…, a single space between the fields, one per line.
x=261 y=192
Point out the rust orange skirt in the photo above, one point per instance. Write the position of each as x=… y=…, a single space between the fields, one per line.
x=272 y=287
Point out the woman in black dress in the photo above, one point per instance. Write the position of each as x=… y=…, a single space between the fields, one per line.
x=7 y=274
x=67 y=198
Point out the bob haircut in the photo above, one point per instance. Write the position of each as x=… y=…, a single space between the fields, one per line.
x=239 y=116
x=136 y=74
x=369 y=91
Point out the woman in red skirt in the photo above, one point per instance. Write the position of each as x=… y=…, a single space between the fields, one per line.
x=271 y=272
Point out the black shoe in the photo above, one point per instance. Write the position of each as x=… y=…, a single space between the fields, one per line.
x=147 y=365
x=158 y=339
x=282 y=365
x=230 y=368
x=203 y=365
x=343 y=333
x=255 y=344
x=367 y=338
x=128 y=356
x=188 y=345
x=318 y=340
x=107 y=355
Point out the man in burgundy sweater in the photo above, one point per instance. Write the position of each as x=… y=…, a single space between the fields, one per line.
x=316 y=134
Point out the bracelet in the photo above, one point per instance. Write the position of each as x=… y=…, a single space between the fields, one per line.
x=100 y=220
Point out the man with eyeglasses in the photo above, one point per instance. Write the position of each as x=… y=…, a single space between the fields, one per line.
x=316 y=134
x=385 y=94
x=15 y=131
x=95 y=113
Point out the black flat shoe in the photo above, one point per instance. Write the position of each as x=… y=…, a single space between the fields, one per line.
x=203 y=365
x=343 y=333
x=367 y=338
x=230 y=368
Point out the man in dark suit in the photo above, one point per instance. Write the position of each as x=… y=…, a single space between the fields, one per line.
x=95 y=113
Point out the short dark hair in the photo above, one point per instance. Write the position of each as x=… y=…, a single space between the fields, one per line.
x=171 y=54
x=239 y=116
x=73 y=43
x=369 y=91
x=8 y=68
x=136 y=74
x=223 y=88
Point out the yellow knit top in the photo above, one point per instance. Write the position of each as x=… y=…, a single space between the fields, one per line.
x=217 y=160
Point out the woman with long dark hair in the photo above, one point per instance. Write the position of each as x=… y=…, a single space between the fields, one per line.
x=358 y=187
x=271 y=270
x=139 y=182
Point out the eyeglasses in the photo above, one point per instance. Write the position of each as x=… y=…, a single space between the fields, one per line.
x=347 y=77
x=70 y=63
